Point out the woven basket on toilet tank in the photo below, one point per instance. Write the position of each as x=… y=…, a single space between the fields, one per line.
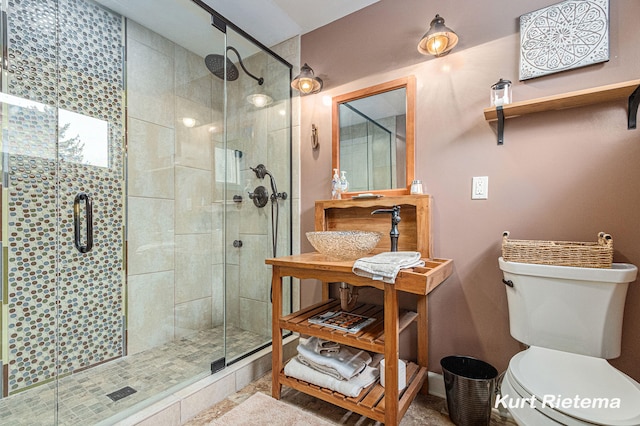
x=561 y=253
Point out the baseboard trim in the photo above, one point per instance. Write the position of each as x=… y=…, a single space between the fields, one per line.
x=436 y=385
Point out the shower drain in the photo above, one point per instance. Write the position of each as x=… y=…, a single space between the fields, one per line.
x=122 y=393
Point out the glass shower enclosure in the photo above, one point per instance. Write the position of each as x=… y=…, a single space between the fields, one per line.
x=146 y=173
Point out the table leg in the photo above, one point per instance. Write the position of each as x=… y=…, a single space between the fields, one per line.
x=276 y=332
x=325 y=290
x=423 y=337
x=391 y=353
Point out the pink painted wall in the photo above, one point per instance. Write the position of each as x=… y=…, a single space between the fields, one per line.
x=563 y=175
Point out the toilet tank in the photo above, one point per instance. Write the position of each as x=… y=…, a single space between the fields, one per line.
x=566 y=308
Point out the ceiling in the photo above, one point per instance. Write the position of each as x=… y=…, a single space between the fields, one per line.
x=268 y=21
x=273 y=21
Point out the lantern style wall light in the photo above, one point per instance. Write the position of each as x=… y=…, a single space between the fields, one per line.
x=306 y=82
x=501 y=93
x=439 y=40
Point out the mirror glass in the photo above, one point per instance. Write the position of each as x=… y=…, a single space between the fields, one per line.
x=373 y=137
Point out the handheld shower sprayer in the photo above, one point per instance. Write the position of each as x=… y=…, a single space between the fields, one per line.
x=259 y=197
x=261 y=171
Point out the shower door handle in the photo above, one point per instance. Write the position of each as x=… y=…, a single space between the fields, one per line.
x=88 y=220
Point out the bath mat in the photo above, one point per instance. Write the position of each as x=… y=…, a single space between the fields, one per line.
x=260 y=409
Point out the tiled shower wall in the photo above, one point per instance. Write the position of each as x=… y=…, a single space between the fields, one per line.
x=174 y=233
x=176 y=270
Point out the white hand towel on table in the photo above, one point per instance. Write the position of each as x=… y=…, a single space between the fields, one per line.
x=347 y=362
x=350 y=388
x=385 y=266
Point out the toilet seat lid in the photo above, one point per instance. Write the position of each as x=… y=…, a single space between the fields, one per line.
x=580 y=386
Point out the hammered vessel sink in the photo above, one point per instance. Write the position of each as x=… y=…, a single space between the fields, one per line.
x=344 y=245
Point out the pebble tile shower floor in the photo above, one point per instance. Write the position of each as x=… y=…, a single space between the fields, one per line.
x=83 y=396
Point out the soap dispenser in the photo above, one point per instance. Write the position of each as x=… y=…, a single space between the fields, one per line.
x=344 y=184
x=335 y=185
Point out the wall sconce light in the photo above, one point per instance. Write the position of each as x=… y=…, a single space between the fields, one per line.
x=439 y=40
x=501 y=93
x=259 y=100
x=306 y=82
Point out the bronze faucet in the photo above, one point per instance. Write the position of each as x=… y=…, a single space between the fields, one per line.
x=395 y=219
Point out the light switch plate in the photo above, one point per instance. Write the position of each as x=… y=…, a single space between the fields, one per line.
x=480 y=188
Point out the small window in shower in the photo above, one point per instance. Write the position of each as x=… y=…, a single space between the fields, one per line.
x=83 y=139
x=232 y=159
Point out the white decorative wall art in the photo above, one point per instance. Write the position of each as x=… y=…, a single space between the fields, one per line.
x=566 y=35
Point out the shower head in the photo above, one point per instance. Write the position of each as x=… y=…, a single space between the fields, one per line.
x=215 y=64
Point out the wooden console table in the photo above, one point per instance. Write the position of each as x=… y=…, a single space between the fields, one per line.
x=387 y=404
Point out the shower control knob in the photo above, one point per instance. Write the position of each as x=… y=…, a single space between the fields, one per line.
x=237 y=243
x=260 y=196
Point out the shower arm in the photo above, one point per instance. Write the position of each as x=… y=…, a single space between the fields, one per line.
x=260 y=80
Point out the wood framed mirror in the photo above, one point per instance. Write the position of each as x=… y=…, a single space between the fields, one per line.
x=373 y=137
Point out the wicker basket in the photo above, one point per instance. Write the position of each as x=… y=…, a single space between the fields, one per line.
x=561 y=253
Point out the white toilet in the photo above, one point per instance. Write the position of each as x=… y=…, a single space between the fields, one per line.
x=571 y=318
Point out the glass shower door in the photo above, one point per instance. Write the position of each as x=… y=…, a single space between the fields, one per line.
x=63 y=202
x=257 y=158
x=29 y=255
x=91 y=197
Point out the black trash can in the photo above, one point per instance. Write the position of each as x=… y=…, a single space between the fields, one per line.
x=470 y=385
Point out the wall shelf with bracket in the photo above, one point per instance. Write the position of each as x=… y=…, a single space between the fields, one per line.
x=629 y=89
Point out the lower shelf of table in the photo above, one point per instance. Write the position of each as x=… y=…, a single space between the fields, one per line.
x=371 y=338
x=371 y=401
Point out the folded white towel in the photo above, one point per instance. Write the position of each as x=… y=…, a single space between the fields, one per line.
x=323 y=368
x=375 y=363
x=385 y=266
x=347 y=362
x=350 y=388
x=327 y=346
